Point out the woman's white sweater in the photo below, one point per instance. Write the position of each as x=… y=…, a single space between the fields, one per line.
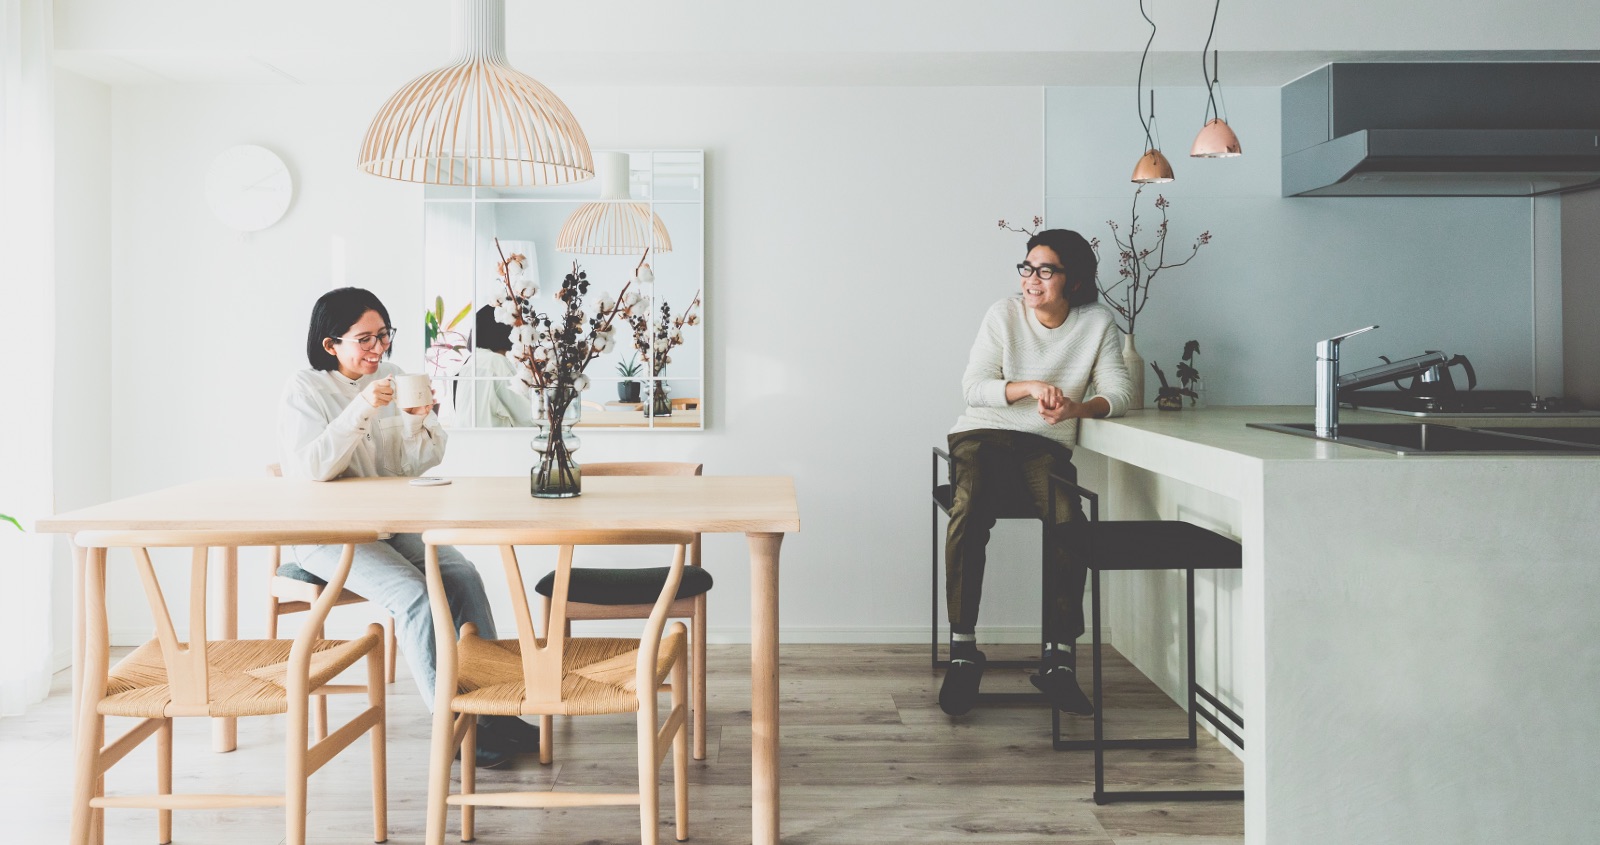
x=1082 y=357
x=327 y=431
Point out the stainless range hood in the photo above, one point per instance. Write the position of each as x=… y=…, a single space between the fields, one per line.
x=1429 y=129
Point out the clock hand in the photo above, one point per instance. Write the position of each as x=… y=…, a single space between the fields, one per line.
x=273 y=175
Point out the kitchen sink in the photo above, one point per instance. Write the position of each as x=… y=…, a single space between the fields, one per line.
x=1436 y=439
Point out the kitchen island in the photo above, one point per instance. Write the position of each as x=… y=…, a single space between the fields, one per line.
x=1414 y=640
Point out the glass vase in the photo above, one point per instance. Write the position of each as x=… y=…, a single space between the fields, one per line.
x=657 y=403
x=555 y=473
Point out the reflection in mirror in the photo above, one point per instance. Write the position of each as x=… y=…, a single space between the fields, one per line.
x=659 y=259
x=500 y=399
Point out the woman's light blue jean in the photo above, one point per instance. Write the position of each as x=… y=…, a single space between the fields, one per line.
x=390 y=573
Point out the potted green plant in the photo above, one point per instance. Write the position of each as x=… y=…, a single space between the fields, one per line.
x=1170 y=398
x=628 y=389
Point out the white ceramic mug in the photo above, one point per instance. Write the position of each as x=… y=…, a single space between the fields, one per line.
x=413 y=391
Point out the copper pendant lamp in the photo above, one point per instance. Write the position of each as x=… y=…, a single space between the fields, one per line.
x=479 y=121
x=1152 y=166
x=1216 y=138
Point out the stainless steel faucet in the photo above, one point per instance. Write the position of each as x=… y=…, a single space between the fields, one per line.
x=1328 y=383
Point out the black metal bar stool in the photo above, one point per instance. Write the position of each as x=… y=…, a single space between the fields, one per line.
x=1120 y=546
x=943 y=500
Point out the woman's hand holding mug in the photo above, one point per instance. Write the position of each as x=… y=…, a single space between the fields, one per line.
x=379 y=392
x=414 y=393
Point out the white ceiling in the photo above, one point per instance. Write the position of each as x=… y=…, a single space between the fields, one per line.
x=820 y=42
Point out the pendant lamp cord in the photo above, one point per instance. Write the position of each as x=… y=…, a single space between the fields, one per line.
x=1138 y=91
x=1210 y=76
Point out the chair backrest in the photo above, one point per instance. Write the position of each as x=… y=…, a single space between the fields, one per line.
x=188 y=676
x=543 y=664
x=680 y=468
x=600 y=468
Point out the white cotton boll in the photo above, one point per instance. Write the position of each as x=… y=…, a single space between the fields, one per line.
x=665 y=361
x=601 y=343
x=517 y=349
x=526 y=334
x=677 y=337
x=630 y=299
x=505 y=312
x=607 y=302
x=692 y=319
x=540 y=353
x=581 y=382
x=645 y=275
x=528 y=291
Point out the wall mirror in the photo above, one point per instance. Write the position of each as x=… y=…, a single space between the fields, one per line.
x=638 y=199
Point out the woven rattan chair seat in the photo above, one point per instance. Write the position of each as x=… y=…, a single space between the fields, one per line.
x=598 y=678
x=246 y=676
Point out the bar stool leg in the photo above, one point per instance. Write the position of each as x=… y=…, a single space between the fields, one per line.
x=1099 y=697
x=1194 y=733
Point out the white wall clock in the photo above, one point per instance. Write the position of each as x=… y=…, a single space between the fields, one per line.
x=248 y=187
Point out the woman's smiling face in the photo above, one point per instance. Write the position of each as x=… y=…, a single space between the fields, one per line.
x=355 y=362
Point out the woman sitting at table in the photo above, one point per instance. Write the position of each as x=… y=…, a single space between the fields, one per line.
x=1026 y=386
x=339 y=420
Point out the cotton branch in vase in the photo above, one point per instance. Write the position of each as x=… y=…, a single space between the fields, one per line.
x=552 y=351
x=656 y=343
x=1139 y=262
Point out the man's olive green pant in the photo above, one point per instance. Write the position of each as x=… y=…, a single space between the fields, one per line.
x=997 y=472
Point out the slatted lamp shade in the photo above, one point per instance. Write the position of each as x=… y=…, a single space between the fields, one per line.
x=614 y=227
x=478 y=122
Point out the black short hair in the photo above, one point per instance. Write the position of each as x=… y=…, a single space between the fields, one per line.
x=493 y=335
x=1077 y=260
x=333 y=315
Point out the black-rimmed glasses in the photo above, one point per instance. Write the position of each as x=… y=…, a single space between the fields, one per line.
x=369 y=342
x=1045 y=272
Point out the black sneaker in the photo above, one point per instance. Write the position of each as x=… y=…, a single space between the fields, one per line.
x=960 y=689
x=1060 y=687
x=510 y=734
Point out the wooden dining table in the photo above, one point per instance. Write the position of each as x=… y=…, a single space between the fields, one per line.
x=761 y=508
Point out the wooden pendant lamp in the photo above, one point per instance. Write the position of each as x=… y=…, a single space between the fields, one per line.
x=479 y=121
x=613 y=226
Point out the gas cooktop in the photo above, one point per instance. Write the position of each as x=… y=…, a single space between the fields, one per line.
x=1477 y=403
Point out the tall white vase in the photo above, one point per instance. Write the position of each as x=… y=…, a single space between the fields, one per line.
x=1135 y=364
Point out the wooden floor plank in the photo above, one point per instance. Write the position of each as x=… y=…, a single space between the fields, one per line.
x=867 y=757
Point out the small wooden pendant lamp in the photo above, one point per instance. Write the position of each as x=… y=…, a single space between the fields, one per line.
x=613 y=226
x=479 y=121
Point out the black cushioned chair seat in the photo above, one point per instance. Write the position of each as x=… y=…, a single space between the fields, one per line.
x=1152 y=544
x=625 y=586
x=290 y=570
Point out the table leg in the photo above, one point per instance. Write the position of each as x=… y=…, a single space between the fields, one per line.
x=225 y=732
x=764 y=687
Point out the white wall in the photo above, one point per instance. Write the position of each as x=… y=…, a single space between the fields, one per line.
x=851 y=248
x=84 y=322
